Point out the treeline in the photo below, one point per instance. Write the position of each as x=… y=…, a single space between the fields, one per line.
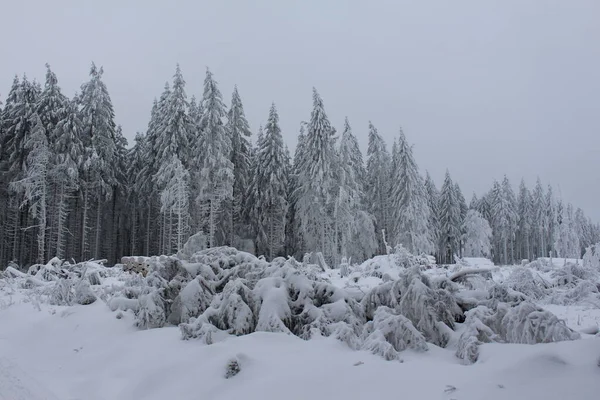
x=70 y=187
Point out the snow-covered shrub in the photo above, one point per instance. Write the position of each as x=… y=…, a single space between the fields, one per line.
x=528 y=324
x=234 y=309
x=151 y=311
x=275 y=314
x=591 y=258
x=61 y=294
x=395 y=329
x=191 y=301
x=199 y=328
x=232 y=368
x=387 y=294
x=344 y=267
x=499 y=293
x=523 y=280
x=432 y=311
x=479 y=326
x=196 y=242
x=83 y=292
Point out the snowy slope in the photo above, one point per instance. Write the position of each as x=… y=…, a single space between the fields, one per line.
x=95 y=352
x=84 y=352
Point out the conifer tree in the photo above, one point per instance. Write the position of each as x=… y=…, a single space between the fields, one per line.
x=524 y=222
x=410 y=215
x=433 y=200
x=449 y=219
x=239 y=133
x=174 y=179
x=270 y=188
x=97 y=118
x=316 y=181
x=34 y=181
x=215 y=180
x=354 y=226
x=377 y=183
x=539 y=220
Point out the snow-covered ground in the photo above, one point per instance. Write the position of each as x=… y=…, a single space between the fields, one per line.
x=88 y=352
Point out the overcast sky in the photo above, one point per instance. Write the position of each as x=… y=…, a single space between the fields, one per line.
x=484 y=88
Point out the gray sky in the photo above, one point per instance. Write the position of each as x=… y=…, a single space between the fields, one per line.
x=483 y=88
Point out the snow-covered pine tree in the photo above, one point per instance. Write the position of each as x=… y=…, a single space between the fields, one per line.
x=433 y=200
x=503 y=219
x=34 y=183
x=377 y=183
x=316 y=181
x=550 y=210
x=97 y=116
x=477 y=235
x=51 y=108
x=524 y=222
x=539 y=220
x=239 y=133
x=135 y=166
x=18 y=119
x=67 y=153
x=573 y=245
x=270 y=190
x=353 y=224
x=463 y=213
x=410 y=211
x=449 y=220
x=172 y=137
x=215 y=178
x=174 y=197
x=293 y=235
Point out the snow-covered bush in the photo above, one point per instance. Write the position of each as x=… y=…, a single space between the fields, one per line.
x=591 y=258
x=479 y=327
x=528 y=324
x=83 y=292
x=395 y=329
x=196 y=242
x=531 y=284
x=232 y=368
x=151 y=311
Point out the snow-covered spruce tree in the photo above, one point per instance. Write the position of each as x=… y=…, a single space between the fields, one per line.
x=67 y=153
x=539 y=220
x=215 y=178
x=173 y=132
x=316 y=181
x=477 y=235
x=449 y=209
x=591 y=258
x=410 y=212
x=145 y=185
x=239 y=132
x=269 y=188
x=97 y=116
x=135 y=165
x=18 y=119
x=503 y=220
x=433 y=199
x=550 y=210
x=463 y=213
x=354 y=224
x=294 y=245
x=524 y=222
x=377 y=183
x=174 y=179
x=51 y=108
x=34 y=183
x=172 y=137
